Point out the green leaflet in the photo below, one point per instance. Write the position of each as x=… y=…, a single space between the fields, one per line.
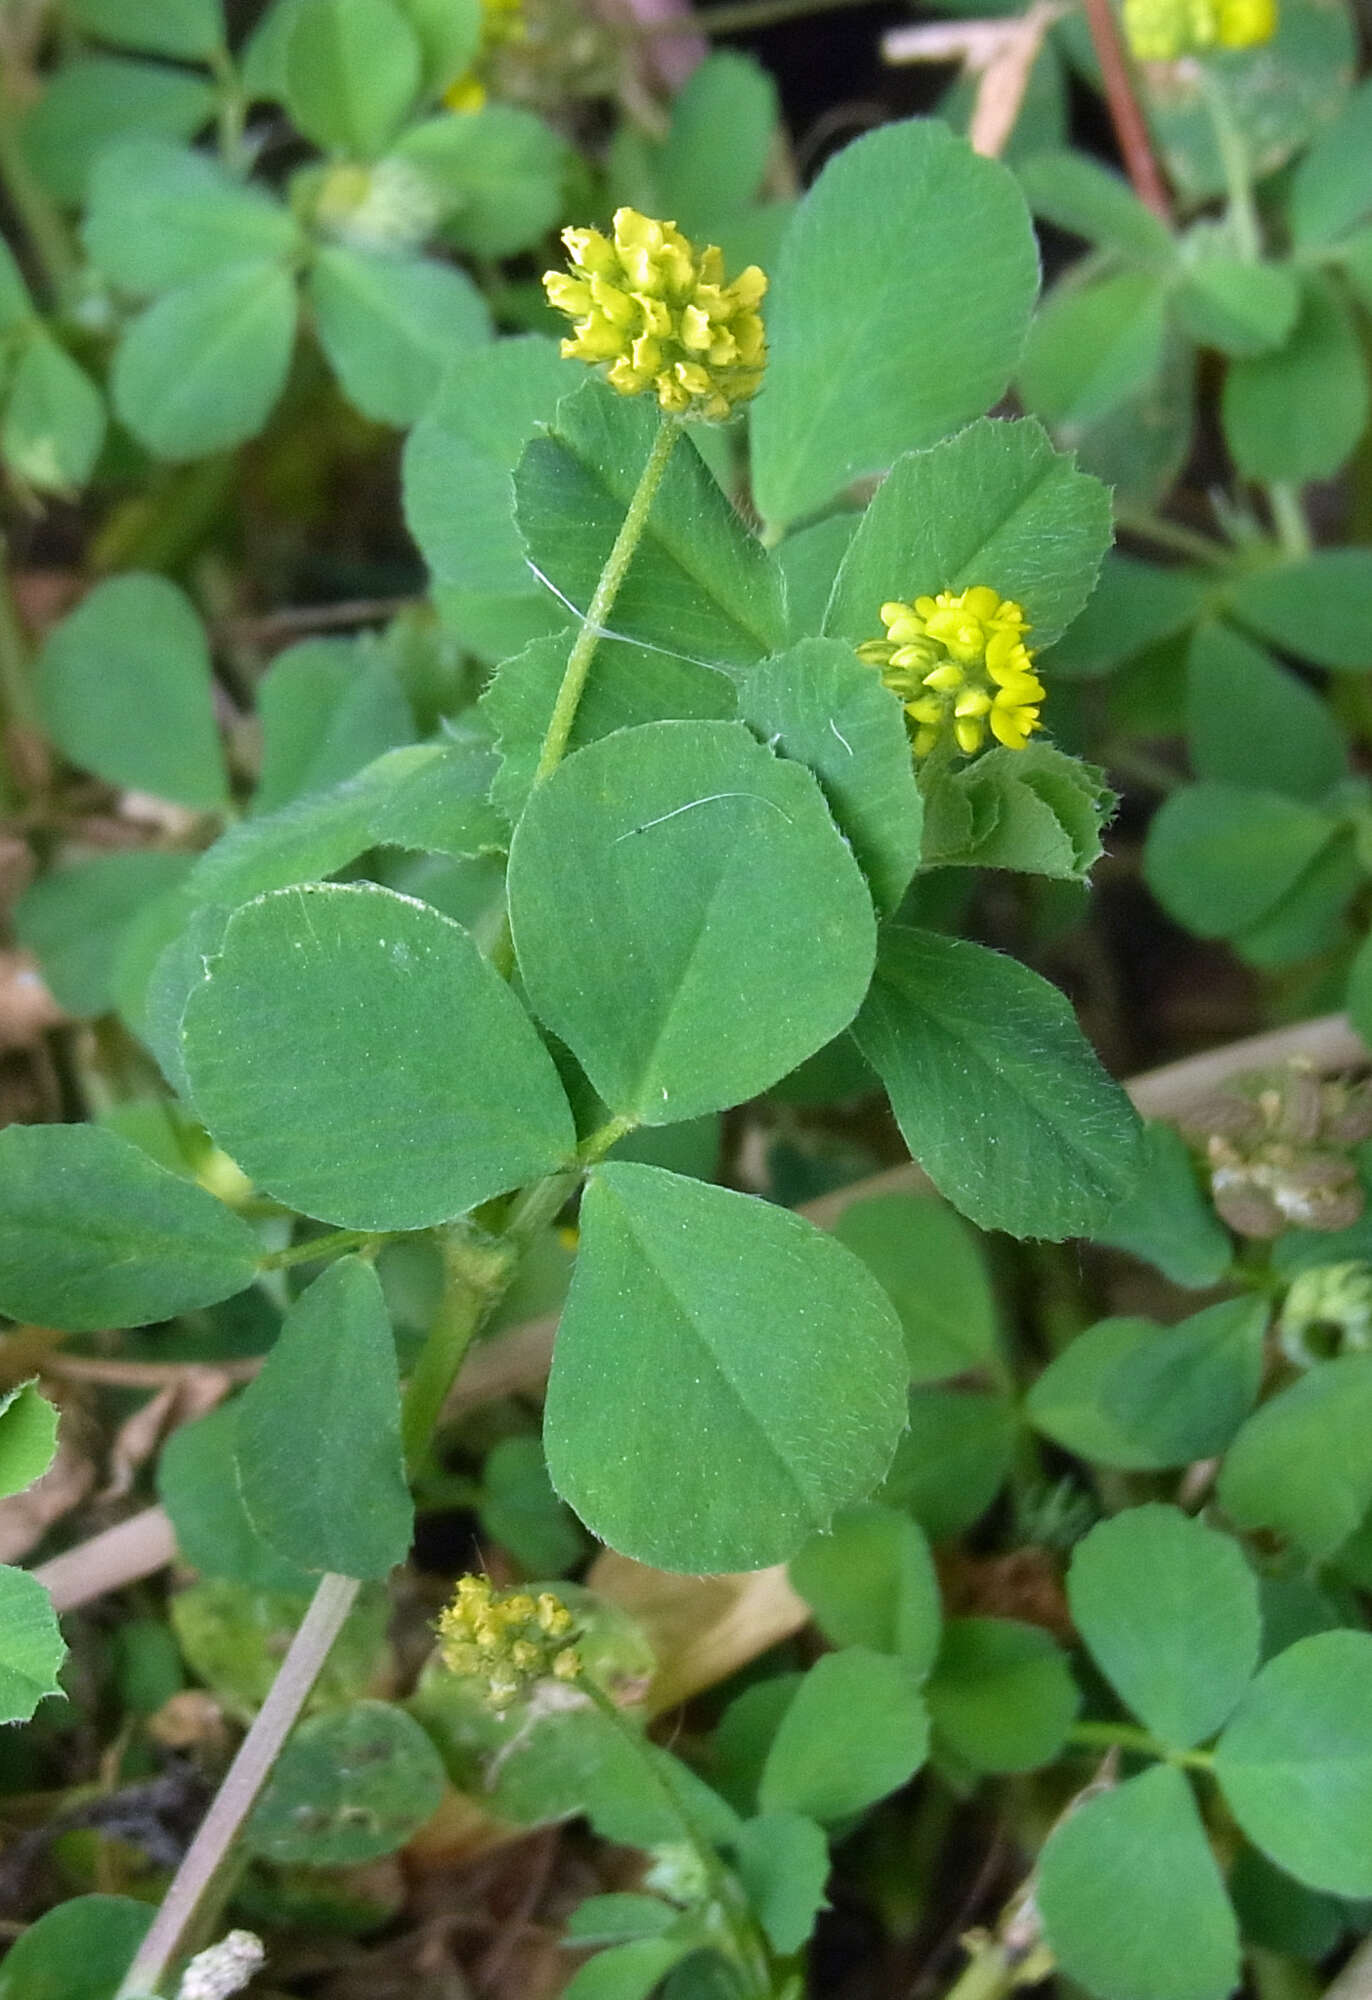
x=1001 y=1695
x=1143 y=1397
x=123 y=684
x=687 y=918
x=1219 y=858
x=31 y=1651
x=931 y=1267
x=1169 y=1608
x=1034 y=810
x=317 y=1438
x=1092 y=348
x=28 y=1437
x=725 y=1377
x=351 y=1785
x=201 y=368
x=390 y=325
x=455 y=1096
x=1295 y=1764
x=820 y=705
x=352 y=71
x=1298 y=411
x=1126 y=1876
x=699 y=584
x=161 y=214
x=997 y=1093
x=627 y=685
x=1302 y=1464
x=79 y=1950
x=94 y=1234
x=897 y=311
x=994 y=505
x=870 y=1581
x=855 y=1729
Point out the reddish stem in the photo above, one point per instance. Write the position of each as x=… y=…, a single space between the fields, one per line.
x=1131 y=128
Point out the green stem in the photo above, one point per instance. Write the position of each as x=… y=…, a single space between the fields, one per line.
x=602 y=603
x=1127 y=1736
x=335 y=1244
x=1288 y=518
x=1238 y=177
x=1173 y=535
x=474 y=1275
x=51 y=242
x=749 y=1949
x=232 y=109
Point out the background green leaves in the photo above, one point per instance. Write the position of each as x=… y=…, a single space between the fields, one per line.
x=124 y=688
x=94 y=1234
x=1169 y=1608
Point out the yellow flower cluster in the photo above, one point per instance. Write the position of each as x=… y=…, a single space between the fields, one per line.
x=960 y=666
x=646 y=302
x=1163 y=30
x=509 y=1640
x=502 y=21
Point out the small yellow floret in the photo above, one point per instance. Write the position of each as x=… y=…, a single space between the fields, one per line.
x=960 y=666
x=1163 y=30
x=658 y=315
x=508 y=1640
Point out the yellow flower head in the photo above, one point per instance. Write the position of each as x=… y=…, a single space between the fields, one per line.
x=1163 y=30
x=657 y=311
x=508 y=1639
x=961 y=667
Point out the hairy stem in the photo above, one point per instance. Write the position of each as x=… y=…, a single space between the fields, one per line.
x=194 y=1879
x=602 y=603
x=474 y=1277
x=1131 y=127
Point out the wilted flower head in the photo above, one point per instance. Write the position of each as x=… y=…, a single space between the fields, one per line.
x=657 y=313
x=1278 y=1148
x=509 y=1639
x=1163 y=30
x=960 y=665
